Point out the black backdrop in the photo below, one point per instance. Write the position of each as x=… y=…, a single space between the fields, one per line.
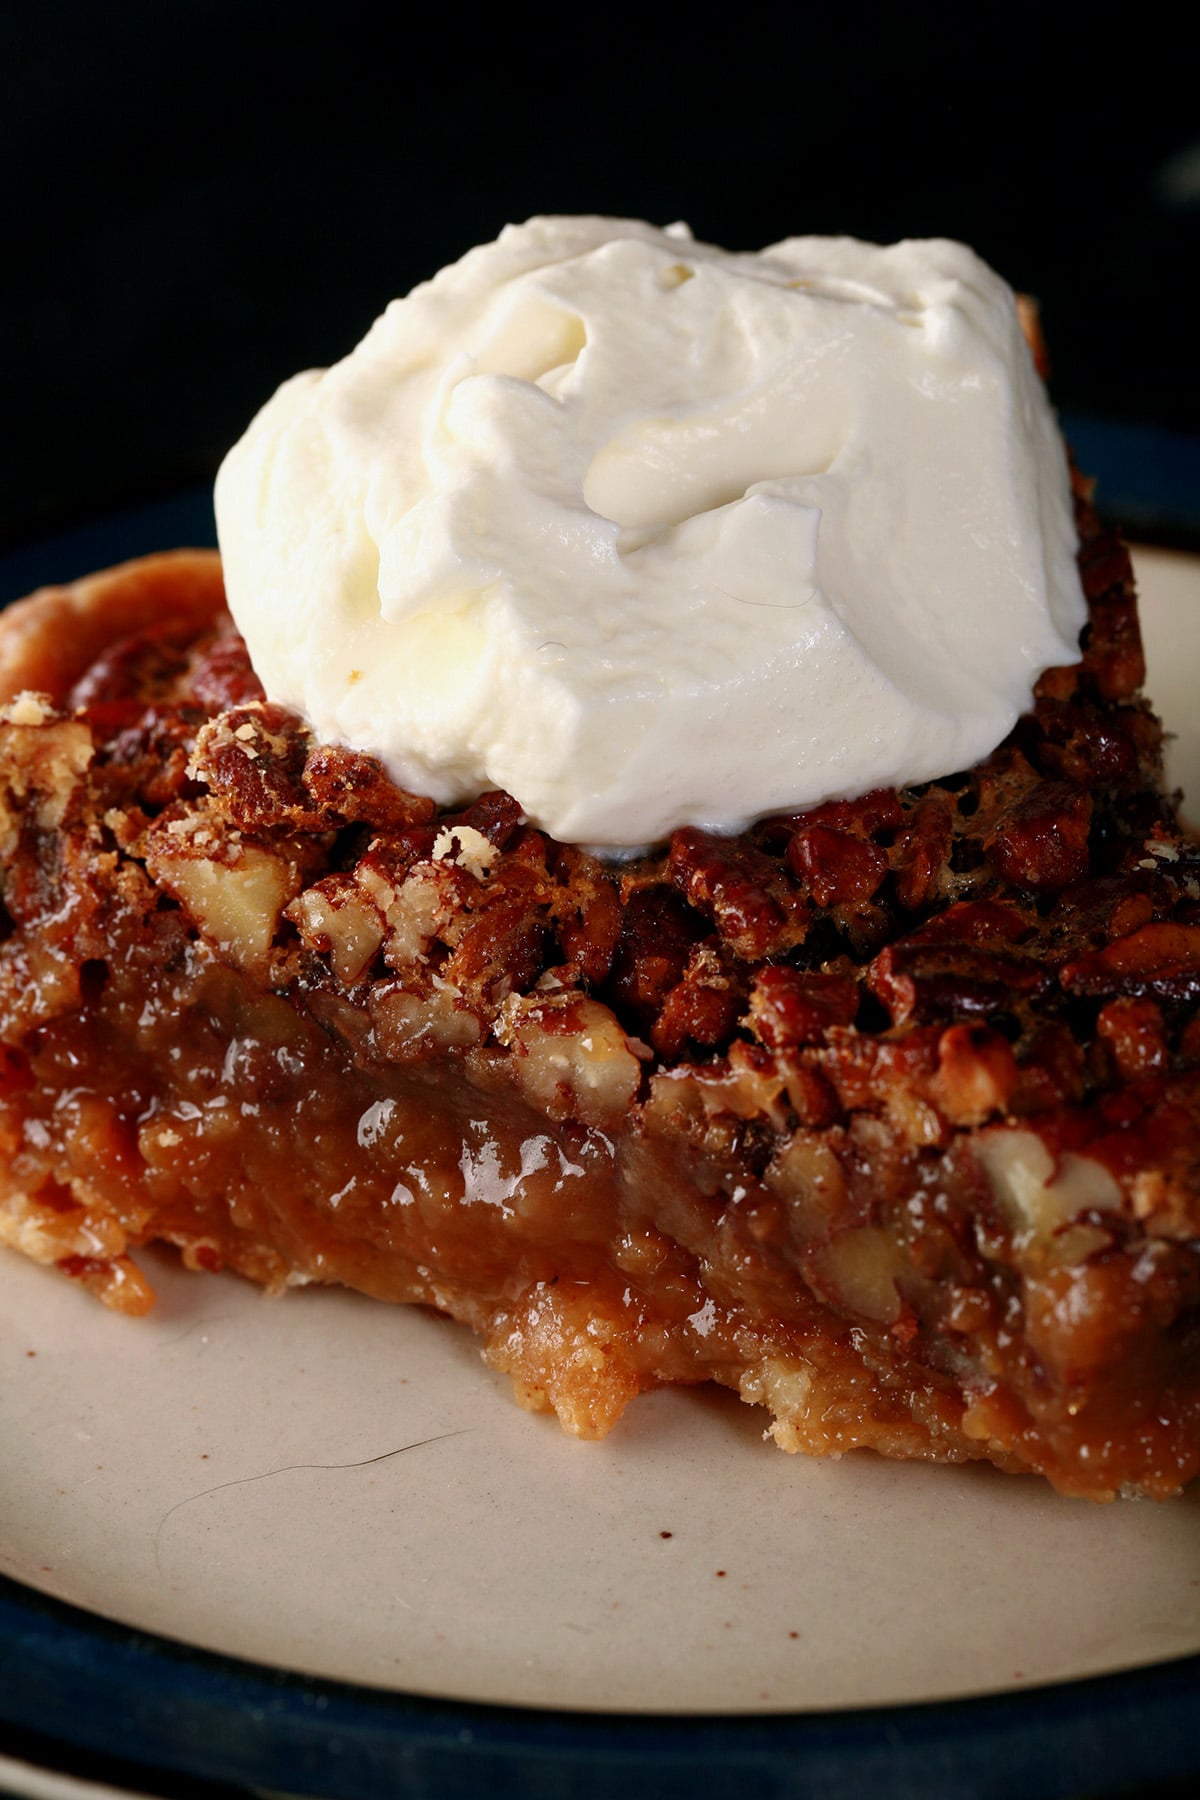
x=201 y=196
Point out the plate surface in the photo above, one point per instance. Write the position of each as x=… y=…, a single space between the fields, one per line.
x=326 y=1485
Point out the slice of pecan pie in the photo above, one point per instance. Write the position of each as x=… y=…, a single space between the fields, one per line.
x=886 y=1115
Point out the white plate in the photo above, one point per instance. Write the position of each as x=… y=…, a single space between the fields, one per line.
x=1169 y=592
x=32 y=1783
x=332 y=1486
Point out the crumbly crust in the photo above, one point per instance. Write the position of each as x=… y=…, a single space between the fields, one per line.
x=49 y=640
x=886 y=1114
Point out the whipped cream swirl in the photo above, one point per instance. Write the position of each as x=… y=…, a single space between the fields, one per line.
x=651 y=534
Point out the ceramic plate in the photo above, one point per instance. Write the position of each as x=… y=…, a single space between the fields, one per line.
x=323 y=1485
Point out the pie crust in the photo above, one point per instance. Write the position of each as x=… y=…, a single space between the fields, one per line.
x=885 y=1115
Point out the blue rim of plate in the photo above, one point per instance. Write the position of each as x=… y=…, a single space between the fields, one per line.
x=163 y=1709
x=105 y=1689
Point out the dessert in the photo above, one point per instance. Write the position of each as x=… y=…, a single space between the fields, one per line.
x=882 y=1110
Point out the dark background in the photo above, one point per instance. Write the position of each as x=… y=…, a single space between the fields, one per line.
x=200 y=197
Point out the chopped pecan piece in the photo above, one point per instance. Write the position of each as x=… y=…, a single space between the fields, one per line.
x=1135 y=1035
x=835 y=865
x=252 y=762
x=587 y=912
x=701 y=1008
x=657 y=937
x=790 y=1007
x=1161 y=959
x=747 y=895
x=921 y=982
x=346 y=787
x=221 y=675
x=1084 y=746
x=262 y=765
x=922 y=855
x=1041 y=843
x=874 y=815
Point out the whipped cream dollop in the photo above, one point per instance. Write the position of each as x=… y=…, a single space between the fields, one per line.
x=653 y=534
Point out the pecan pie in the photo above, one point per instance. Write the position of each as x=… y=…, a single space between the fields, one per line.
x=886 y=1115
